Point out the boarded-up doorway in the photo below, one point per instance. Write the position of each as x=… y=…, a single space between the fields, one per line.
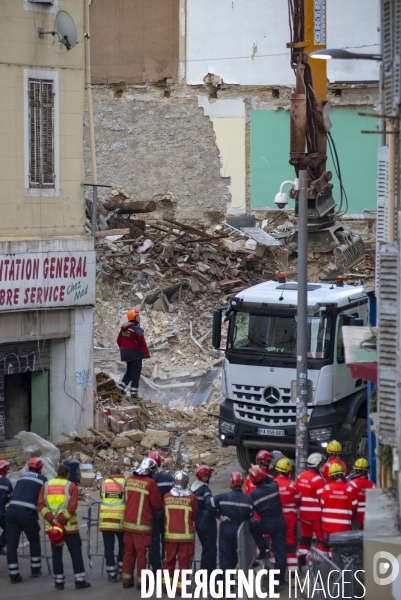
x=26 y=403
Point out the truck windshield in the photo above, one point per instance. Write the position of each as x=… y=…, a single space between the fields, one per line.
x=277 y=335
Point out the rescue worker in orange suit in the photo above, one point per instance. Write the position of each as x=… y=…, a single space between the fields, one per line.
x=360 y=482
x=310 y=484
x=111 y=518
x=180 y=510
x=133 y=350
x=266 y=501
x=22 y=515
x=290 y=499
x=142 y=500
x=339 y=502
x=264 y=461
x=164 y=483
x=58 y=503
x=334 y=450
x=5 y=494
x=234 y=508
x=205 y=522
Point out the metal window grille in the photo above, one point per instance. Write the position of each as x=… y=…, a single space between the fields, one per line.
x=41 y=133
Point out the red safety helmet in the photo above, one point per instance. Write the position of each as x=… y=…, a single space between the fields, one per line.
x=263 y=456
x=56 y=534
x=203 y=471
x=35 y=463
x=236 y=479
x=256 y=475
x=156 y=457
x=4 y=467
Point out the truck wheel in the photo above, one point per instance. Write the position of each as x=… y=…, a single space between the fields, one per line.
x=360 y=441
x=246 y=457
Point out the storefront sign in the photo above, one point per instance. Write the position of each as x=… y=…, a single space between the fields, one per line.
x=47 y=280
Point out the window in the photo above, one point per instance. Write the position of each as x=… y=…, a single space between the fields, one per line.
x=277 y=335
x=41 y=133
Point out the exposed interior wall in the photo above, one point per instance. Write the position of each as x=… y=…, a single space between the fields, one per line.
x=134 y=40
x=72 y=378
x=270 y=134
x=230 y=138
x=244 y=41
x=154 y=146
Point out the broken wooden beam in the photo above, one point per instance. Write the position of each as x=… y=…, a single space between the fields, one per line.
x=108 y=232
x=132 y=208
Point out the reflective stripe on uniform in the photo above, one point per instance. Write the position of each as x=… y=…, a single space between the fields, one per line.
x=342 y=521
x=24 y=478
x=265 y=498
x=227 y=503
x=136 y=527
x=25 y=504
x=187 y=535
x=341 y=511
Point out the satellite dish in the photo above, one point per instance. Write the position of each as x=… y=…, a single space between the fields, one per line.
x=65 y=28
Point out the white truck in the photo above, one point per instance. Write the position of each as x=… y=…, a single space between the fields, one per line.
x=260 y=370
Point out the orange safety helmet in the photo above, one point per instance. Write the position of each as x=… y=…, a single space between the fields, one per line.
x=56 y=534
x=132 y=314
x=35 y=463
x=263 y=457
x=203 y=471
x=156 y=457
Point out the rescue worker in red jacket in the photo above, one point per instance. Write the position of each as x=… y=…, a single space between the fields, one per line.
x=180 y=510
x=111 y=518
x=361 y=482
x=58 y=503
x=264 y=461
x=142 y=499
x=133 y=349
x=290 y=499
x=334 y=450
x=309 y=484
x=339 y=502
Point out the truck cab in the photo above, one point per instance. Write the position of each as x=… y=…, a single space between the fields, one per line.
x=259 y=375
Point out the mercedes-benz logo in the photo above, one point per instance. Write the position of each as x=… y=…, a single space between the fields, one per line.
x=271 y=395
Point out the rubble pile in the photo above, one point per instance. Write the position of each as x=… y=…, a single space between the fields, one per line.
x=185 y=438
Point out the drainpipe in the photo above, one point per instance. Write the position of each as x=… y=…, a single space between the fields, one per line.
x=89 y=93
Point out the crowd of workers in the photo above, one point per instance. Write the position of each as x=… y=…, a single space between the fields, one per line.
x=154 y=516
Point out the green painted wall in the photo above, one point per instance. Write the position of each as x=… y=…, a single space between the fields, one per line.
x=270 y=142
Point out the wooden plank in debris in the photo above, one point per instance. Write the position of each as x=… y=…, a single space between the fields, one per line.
x=190 y=228
x=226 y=282
x=132 y=208
x=108 y=232
x=133 y=231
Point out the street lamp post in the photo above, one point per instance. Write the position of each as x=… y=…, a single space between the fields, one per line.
x=339 y=53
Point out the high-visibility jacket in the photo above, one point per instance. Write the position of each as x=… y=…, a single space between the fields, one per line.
x=361 y=484
x=142 y=499
x=111 y=515
x=289 y=496
x=180 y=513
x=310 y=485
x=326 y=467
x=339 y=502
x=58 y=500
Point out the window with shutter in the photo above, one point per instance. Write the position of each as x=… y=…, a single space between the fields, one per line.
x=41 y=133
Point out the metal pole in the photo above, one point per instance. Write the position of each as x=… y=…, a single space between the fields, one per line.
x=302 y=326
x=94 y=210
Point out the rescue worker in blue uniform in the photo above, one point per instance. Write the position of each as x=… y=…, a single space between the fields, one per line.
x=234 y=508
x=5 y=494
x=267 y=503
x=22 y=515
x=205 y=522
x=164 y=482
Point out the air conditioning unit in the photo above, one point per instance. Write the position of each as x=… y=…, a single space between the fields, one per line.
x=41 y=1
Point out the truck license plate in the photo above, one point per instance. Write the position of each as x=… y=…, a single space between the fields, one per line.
x=277 y=432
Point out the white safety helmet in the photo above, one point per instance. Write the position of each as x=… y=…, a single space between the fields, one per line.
x=315 y=460
x=181 y=480
x=147 y=467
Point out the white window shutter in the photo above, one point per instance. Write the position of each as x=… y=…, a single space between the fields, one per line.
x=388 y=344
x=382 y=213
x=391 y=47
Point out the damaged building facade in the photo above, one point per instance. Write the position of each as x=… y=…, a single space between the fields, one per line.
x=47 y=263
x=191 y=102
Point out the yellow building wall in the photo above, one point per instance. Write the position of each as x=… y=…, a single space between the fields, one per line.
x=230 y=139
x=21 y=48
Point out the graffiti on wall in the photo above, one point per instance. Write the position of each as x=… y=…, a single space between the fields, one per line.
x=83 y=377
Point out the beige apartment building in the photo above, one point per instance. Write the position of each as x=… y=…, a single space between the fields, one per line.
x=47 y=262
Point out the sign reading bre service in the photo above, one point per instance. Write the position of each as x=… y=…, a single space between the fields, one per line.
x=47 y=280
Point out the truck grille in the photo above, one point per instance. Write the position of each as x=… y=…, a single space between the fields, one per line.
x=250 y=406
